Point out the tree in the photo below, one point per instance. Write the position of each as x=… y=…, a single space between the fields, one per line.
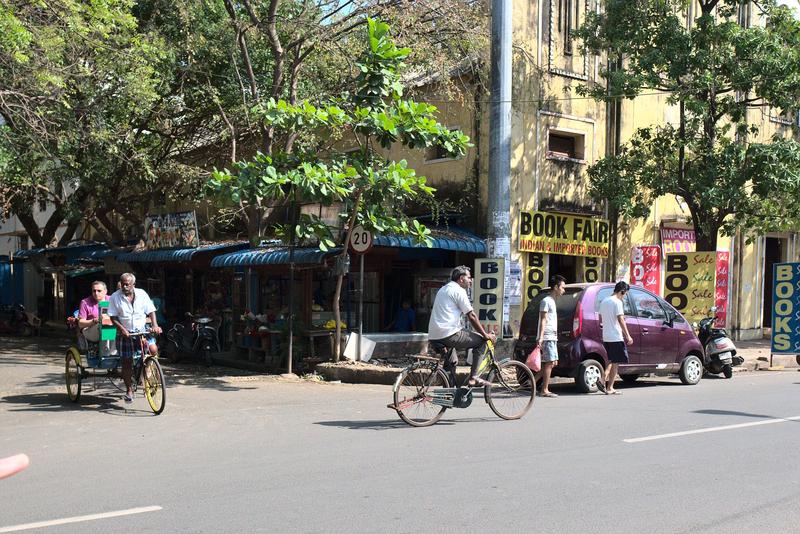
x=372 y=190
x=716 y=70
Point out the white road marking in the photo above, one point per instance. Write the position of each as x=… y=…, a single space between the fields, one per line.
x=79 y=519
x=710 y=429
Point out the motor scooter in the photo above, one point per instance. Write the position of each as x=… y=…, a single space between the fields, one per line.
x=15 y=320
x=720 y=352
x=196 y=338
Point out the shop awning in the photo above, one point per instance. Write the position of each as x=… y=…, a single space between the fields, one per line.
x=272 y=256
x=177 y=254
x=72 y=253
x=27 y=253
x=443 y=239
x=100 y=254
x=82 y=272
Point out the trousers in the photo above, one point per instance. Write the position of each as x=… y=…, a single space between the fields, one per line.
x=463 y=339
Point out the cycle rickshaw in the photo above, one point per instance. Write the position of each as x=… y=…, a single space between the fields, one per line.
x=147 y=373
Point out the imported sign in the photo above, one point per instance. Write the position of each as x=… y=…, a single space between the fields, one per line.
x=569 y=235
x=646 y=267
x=677 y=239
x=786 y=308
x=487 y=293
x=721 y=288
x=535 y=275
x=689 y=283
x=171 y=230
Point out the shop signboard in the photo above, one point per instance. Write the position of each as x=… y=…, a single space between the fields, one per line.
x=689 y=283
x=487 y=293
x=569 y=235
x=171 y=230
x=646 y=267
x=535 y=276
x=591 y=270
x=721 y=288
x=675 y=239
x=786 y=308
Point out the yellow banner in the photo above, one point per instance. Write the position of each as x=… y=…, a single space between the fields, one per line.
x=535 y=276
x=487 y=293
x=689 y=283
x=569 y=235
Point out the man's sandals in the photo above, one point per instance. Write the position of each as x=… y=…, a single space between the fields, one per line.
x=475 y=382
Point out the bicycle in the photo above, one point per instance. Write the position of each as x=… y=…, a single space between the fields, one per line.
x=147 y=372
x=424 y=390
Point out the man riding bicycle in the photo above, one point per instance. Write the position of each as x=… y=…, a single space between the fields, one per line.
x=129 y=307
x=445 y=325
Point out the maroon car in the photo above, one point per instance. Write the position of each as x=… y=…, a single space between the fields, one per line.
x=663 y=341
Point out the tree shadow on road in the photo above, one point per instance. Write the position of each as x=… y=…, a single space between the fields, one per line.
x=742 y=414
x=58 y=402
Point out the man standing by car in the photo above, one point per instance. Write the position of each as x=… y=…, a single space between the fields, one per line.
x=615 y=336
x=449 y=306
x=548 y=333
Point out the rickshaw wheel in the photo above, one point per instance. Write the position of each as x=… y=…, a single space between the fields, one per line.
x=72 y=375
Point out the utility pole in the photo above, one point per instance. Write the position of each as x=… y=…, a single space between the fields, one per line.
x=499 y=205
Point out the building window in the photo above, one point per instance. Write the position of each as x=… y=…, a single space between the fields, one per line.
x=566 y=146
x=568 y=17
x=438 y=153
x=42 y=205
x=22 y=242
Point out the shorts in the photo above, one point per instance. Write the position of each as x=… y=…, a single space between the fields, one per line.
x=549 y=350
x=617 y=351
x=129 y=347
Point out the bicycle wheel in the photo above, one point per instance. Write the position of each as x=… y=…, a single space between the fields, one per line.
x=512 y=390
x=72 y=376
x=412 y=400
x=153 y=384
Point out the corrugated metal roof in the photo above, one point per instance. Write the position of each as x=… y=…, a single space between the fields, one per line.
x=272 y=256
x=443 y=239
x=176 y=254
x=27 y=253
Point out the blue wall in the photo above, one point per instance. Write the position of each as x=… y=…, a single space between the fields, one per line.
x=12 y=289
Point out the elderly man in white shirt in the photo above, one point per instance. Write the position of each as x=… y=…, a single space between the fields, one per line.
x=129 y=307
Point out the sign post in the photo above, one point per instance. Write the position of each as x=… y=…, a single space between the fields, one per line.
x=360 y=243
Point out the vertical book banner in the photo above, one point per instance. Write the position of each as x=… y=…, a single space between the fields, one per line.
x=487 y=293
x=535 y=276
x=721 y=288
x=786 y=308
x=689 y=283
x=646 y=267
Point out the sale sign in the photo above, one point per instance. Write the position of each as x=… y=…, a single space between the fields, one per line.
x=721 y=288
x=689 y=283
x=646 y=267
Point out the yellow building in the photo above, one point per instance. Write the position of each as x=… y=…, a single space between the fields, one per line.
x=556 y=135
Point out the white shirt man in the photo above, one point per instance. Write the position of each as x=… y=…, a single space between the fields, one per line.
x=615 y=336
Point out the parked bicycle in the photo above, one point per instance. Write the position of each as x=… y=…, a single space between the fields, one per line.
x=424 y=389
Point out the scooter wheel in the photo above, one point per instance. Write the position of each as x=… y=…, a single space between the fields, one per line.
x=727 y=370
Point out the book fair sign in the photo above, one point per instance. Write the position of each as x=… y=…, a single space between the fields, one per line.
x=689 y=283
x=786 y=308
x=569 y=235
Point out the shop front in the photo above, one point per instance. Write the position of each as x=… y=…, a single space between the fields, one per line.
x=576 y=246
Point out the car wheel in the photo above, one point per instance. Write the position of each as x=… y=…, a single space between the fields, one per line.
x=629 y=379
x=589 y=372
x=691 y=371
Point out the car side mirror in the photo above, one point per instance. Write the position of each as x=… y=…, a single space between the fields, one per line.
x=669 y=320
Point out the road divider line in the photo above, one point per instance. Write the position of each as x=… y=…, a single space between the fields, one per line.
x=710 y=429
x=80 y=519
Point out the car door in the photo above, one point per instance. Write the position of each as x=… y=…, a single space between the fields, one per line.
x=658 y=339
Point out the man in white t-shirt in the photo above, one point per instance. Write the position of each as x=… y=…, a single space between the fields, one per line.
x=449 y=306
x=615 y=336
x=548 y=333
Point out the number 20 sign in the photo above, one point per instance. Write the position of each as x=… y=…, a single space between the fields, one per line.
x=360 y=240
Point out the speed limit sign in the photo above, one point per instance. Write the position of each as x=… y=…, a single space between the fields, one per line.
x=360 y=240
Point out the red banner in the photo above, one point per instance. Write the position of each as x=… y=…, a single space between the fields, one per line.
x=721 y=290
x=646 y=267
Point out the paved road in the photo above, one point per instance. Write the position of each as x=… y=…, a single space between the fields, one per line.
x=243 y=454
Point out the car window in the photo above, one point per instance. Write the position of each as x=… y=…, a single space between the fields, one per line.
x=647 y=305
x=670 y=309
x=602 y=294
x=565 y=310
